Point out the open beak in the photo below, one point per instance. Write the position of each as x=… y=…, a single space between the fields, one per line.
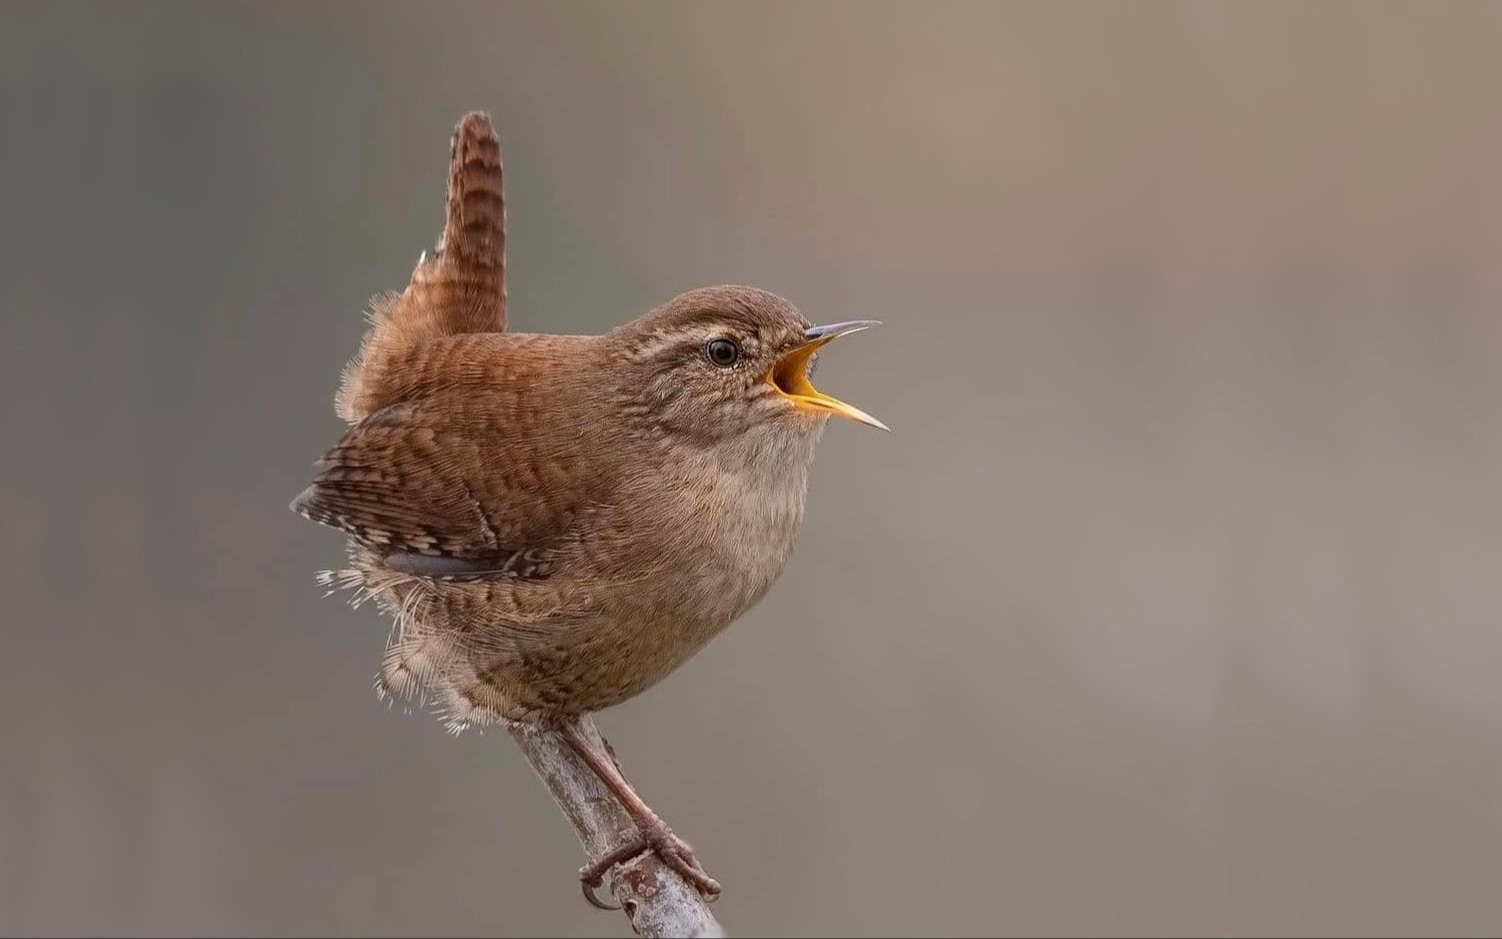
x=790 y=375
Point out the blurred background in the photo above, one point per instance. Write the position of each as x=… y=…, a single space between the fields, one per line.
x=1172 y=606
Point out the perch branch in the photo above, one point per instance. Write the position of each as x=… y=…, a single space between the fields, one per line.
x=657 y=901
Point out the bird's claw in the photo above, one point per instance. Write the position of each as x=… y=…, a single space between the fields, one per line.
x=592 y=875
x=589 y=886
x=673 y=851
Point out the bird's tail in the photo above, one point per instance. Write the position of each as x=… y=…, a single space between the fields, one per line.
x=463 y=286
x=459 y=288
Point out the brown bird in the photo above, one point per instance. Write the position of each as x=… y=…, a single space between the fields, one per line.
x=557 y=522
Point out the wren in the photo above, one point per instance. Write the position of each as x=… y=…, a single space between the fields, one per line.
x=557 y=522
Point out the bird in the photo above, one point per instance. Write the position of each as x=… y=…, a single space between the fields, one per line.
x=555 y=523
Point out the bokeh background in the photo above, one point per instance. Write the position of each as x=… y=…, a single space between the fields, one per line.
x=1172 y=606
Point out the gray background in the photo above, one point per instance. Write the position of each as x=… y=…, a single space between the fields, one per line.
x=1170 y=607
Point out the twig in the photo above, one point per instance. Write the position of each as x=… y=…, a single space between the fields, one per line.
x=657 y=901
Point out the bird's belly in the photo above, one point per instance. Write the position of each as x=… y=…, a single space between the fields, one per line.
x=646 y=631
x=676 y=596
x=594 y=635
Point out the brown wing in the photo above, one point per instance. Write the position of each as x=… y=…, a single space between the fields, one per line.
x=418 y=490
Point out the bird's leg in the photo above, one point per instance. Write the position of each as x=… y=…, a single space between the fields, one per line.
x=654 y=835
x=613 y=758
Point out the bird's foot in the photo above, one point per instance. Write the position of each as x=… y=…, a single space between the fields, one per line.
x=673 y=851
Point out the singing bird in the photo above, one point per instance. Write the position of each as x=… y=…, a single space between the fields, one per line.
x=557 y=522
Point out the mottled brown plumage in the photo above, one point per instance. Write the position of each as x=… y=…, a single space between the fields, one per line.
x=557 y=522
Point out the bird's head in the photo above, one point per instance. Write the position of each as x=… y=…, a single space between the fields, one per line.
x=721 y=362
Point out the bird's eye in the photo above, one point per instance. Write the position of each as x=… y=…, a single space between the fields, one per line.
x=722 y=352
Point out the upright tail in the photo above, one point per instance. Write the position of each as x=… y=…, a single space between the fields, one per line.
x=460 y=288
x=464 y=283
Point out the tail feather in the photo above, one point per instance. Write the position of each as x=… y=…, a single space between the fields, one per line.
x=459 y=288
x=469 y=264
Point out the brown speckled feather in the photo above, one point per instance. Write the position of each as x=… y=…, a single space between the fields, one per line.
x=469 y=465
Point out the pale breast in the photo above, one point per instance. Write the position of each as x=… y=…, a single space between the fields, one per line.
x=740 y=514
